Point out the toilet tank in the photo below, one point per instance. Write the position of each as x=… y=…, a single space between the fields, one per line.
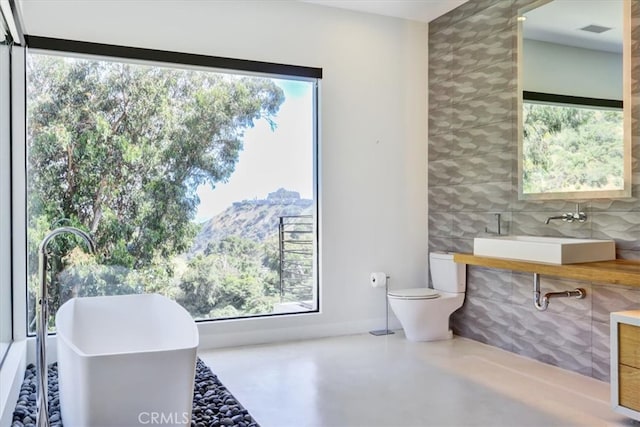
x=447 y=276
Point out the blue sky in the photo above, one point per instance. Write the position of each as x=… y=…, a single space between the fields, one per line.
x=270 y=159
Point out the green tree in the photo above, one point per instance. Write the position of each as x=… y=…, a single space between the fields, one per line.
x=120 y=149
x=228 y=280
x=569 y=148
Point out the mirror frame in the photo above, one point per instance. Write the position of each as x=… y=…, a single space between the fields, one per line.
x=627 y=107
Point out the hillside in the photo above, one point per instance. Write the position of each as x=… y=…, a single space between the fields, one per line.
x=251 y=219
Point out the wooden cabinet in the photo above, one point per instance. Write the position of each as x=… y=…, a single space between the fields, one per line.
x=625 y=363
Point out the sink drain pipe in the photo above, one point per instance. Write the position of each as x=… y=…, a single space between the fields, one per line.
x=543 y=303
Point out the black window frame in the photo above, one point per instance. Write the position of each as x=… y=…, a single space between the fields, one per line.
x=215 y=63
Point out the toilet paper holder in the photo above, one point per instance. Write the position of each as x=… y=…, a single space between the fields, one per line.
x=385 y=331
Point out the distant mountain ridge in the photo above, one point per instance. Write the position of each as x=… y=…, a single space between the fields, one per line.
x=251 y=219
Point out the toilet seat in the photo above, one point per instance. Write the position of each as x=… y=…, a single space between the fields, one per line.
x=414 y=293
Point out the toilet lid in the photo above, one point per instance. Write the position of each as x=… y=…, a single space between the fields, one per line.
x=414 y=293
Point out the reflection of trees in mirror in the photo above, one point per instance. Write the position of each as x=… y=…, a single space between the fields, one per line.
x=567 y=148
x=120 y=149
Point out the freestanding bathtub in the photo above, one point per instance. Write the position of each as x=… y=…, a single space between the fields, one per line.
x=125 y=361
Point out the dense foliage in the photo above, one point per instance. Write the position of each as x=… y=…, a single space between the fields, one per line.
x=119 y=150
x=571 y=148
x=236 y=266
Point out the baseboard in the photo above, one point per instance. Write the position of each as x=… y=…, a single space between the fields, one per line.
x=210 y=339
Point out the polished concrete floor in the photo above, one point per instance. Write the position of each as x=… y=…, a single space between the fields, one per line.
x=367 y=381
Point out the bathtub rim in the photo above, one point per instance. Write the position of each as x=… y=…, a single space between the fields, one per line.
x=68 y=342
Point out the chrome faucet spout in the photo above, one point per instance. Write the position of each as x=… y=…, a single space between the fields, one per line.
x=42 y=319
x=563 y=217
x=577 y=216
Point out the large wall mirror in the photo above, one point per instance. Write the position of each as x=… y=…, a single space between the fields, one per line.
x=574 y=136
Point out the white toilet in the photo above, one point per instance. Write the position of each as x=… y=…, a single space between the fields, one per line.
x=424 y=312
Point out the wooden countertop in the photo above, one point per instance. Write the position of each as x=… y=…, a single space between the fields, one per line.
x=619 y=271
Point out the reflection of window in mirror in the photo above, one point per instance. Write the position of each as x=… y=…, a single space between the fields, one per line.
x=571 y=144
x=573 y=141
x=574 y=48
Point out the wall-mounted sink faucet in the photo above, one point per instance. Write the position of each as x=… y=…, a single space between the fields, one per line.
x=42 y=316
x=570 y=216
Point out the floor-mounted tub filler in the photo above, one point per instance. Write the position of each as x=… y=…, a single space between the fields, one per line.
x=125 y=360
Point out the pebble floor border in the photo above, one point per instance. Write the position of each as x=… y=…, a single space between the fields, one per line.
x=213 y=404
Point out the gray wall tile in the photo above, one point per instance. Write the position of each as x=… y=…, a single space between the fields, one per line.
x=440 y=119
x=479 y=140
x=496 y=107
x=522 y=295
x=608 y=298
x=440 y=95
x=553 y=206
x=533 y=223
x=440 y=70
x=521 y=5
x=470 y=8
x=481 y=53
x=623 y=227
x=580 y=362
x=544 y=328
x=624 y=254
x=470 y=142
x=440 y=198
x=490 y=196
x=489 y=284
x=620 y=205
x=461 y=245
x=477 y=224
x=440 y=223
x=601 y=369
x=495 y=166
x=440 y=243
x=483 y=24
x=444 y=172
x=440 y=47
x=441 y=146
x=473 y=174
x=600 y=336
x=495 y=78
x=486 y=321
x=601 y=349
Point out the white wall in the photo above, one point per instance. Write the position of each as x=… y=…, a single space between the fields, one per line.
x=567 y=70
x=373 y=116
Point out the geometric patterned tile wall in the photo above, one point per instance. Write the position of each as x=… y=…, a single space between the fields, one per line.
x=472 y=176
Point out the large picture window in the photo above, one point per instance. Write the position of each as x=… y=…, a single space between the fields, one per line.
x=196 y=183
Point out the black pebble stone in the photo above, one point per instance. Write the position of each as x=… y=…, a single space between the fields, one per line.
x=211 y=400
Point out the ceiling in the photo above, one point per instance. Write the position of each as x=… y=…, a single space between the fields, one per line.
x=416 y=10
x=560 y=21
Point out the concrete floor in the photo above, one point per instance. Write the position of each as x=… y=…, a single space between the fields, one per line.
x=362 y=380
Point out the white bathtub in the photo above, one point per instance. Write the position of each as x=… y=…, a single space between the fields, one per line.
x=125 y=361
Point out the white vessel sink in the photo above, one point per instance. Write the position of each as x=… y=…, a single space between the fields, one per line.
x=552 y=250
